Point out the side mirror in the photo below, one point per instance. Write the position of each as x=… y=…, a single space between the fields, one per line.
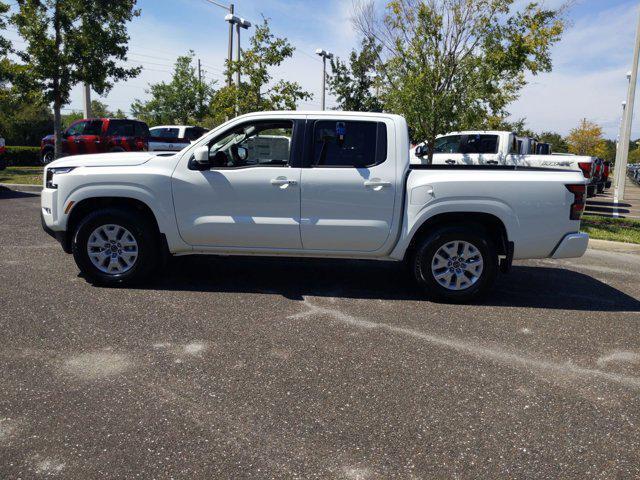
x=421 y=151
x=200 y=160
x=243 y=153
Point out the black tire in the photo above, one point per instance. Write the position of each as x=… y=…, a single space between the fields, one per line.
x=601 y=188
x=47 y=156
x=140 y=227
x=429 y=245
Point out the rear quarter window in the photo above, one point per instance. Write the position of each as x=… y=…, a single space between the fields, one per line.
x=121 y=128
x=142 y=130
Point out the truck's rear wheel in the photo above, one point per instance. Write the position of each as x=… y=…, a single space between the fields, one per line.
x=115 y=247
x=456 y=264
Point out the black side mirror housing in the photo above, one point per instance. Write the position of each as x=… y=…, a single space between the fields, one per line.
x=421 y=151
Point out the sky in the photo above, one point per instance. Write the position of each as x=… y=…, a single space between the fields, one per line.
x=588 y=79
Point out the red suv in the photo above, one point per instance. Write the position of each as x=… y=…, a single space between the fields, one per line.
x=99 y=135
x=3 y=161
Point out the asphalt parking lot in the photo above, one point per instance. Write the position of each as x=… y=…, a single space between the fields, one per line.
x=260 y=368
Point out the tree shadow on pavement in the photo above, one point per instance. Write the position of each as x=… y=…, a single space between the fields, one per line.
x=7 y=193
x=532 y=287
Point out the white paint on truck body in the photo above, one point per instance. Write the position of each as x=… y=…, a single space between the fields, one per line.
x=303 y=209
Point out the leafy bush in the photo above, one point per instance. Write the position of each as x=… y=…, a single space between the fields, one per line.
x=23 y=156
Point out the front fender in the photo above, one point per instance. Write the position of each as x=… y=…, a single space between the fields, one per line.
x=162 y=208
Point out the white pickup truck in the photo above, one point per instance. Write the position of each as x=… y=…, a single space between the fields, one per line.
x=479 y=147
x=173 y=138
x=339 y=186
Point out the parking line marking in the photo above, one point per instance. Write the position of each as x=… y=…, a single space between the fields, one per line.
x=494 y=354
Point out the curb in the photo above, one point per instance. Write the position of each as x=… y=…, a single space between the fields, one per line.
x=610 y=246
x=17 y=187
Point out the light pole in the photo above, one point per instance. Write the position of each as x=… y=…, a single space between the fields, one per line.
x=324 y=54
x=624 y=107
x=86 y=100
x=229 y=9
x=239 y=23
x=621 y=159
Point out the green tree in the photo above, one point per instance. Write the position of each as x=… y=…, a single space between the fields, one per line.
x=6 y=65
x=185 y=99
x=258 y=91
x=5 y=45
x=24 y=117
x=353 y=84
x=609 y=150
x=451 y=64
x=557 y=142
x=100 y=109
x=586 y=139
x=72 y=41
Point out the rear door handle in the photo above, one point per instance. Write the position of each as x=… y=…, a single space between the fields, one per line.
x=450 y=162
x=377 y=183
x=492 y=162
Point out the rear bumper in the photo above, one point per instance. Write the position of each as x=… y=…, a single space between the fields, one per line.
x=572 y=245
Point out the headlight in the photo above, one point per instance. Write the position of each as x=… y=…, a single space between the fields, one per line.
x=55 y=171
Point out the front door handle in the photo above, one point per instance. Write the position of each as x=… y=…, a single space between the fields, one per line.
x=377 y=183
x=492 y=162
x=280 y=181
x=450 y=162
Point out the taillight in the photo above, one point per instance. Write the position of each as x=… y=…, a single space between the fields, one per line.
x=577 y=207
x=586 y=168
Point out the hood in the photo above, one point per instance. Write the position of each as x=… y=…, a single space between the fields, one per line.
x=117 y=159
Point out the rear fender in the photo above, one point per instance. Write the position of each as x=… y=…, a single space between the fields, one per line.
x=414 y=218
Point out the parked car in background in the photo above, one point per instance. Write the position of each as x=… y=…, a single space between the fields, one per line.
x=99 y=135
x=3 y=156
x=543 y=149
x=311 y=184
x=173 y=138
x=633 y=171
x=607 y=172
x=503 y=148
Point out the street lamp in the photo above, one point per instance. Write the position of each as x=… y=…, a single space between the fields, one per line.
x=324 y=54
x=239 y=23
x=229 y=9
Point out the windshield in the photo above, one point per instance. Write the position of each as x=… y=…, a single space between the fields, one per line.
x=466 y=144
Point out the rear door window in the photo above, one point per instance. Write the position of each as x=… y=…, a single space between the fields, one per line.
x=357 y=144
x=467 y=144
x=93 y=127
x=165 y=132
x=483 y=144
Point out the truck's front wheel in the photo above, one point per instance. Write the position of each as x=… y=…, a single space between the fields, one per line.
x=456 y=264
x=112 y=247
